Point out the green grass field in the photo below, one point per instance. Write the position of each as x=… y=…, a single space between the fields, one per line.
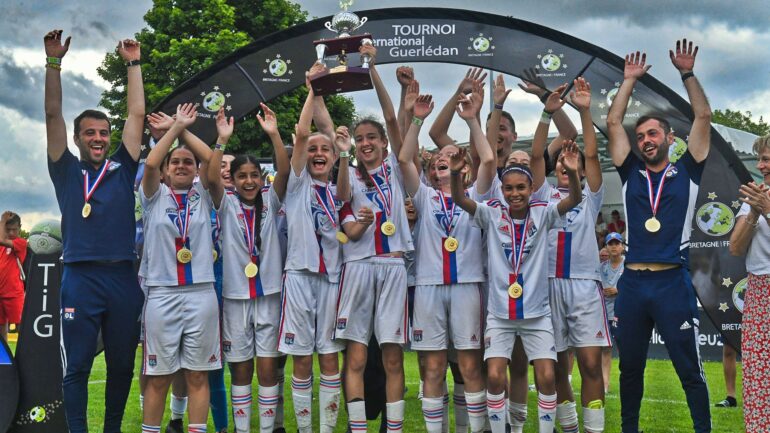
x=664 y=408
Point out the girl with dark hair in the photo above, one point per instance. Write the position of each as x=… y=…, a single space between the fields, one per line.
x=372 y=289
x=181 y=316
x=251 y=271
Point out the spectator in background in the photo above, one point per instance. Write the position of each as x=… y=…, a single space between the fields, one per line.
x=601 y=230
x=617 y=224
x=11 y=276
x=611 y=269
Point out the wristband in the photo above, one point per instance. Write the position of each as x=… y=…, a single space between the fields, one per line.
x=417 y=121
x=545 y=95
x=54 y=60
x=498 y=106
x=687 y=75
x=545 y=117
x=344 y=154
x=220 y=146
x=53 y=66
x=133 y=63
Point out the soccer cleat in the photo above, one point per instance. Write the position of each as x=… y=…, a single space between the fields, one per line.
x=727 y=402
x=175 y=426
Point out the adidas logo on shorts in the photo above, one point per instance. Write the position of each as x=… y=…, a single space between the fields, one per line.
x=474 y=338
x=213 y=359
x=600 y=334
x=685 y=326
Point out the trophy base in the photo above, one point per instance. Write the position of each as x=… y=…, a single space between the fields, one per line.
x=349 y=44
x=342 y=79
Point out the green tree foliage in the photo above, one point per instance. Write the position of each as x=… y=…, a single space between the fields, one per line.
x=743 y=121
x=184 y=37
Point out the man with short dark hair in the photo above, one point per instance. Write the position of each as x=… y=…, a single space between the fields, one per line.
x=11 y=275
x=99 y=289
x=659 y=198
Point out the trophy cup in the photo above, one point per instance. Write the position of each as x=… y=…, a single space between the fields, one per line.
x=342 y=78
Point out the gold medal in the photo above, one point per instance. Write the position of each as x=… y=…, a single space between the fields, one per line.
x=184 y=255
x=652 y=225
x=86 y=210
x=515 y=290
x=451 y=244
x=388 y=229
x=214 y=254
x=342 y=237
x=251 y=270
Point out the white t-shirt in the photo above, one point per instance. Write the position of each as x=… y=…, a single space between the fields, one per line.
x=389 y=190
x=164 y=216
x=758 y=256
x=610 y=277
x=312 y=234
x=574 y=252
x=493 y=218
x=274 y=236
x=435 y=264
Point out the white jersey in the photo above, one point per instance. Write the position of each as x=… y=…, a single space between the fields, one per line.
x=165 y=217
x=574 y=252
x=493 y=218
x=274 y=234
x=437 y=221
x=312 y=216
x=386 y=195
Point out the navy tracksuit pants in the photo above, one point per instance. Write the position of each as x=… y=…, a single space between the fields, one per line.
x=665 y=300
x=99 y=296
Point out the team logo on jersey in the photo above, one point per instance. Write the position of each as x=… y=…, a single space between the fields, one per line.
x=69 y=314
x=227 y=346
x=715 y=218
x=152 y=361
x=342 y=324
x=738 y=292
x=288 y=338
x=417 y=335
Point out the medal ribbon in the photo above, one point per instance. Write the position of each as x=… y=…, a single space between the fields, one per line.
x=517 y=251
x=329 y=196
x=655 y=201
x=88 y=191
x=450 y=215
x=388 y=201
x=182 y=224
x=249 y=229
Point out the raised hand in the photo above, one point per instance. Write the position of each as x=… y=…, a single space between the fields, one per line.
x=160 y=121
x=499 y=92
x=404 y=75
x=636 y=66
x=457 y=159
x=225 y=125
x=581 y=94
x=371 y=50
x=474 y=75
x=531 y=83
x=342 y=139
x=684 y=58
x=129 y=50
x=412 y=92
x=185 y=114
x=53 y=45
x=757 y=197
x=554 y=101
x=269 y=122
x=569 y=156
x=423 y=107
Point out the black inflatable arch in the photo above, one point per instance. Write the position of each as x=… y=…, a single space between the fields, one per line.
x=275 y=64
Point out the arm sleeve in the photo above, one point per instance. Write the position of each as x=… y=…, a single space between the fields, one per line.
x=628 y=165
x=484 y=214
x=20 y=248
x=694 y=169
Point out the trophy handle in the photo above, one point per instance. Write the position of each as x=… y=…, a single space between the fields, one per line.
x=363 y=21
x=328 y=25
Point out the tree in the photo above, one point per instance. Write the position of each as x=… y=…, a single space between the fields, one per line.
x=743 y=121
x=183 y=38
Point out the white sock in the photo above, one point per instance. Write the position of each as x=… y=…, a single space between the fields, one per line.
x=268 y=401
x=445 y=417
x=395 y=415
x=546 y=411
x=150 y=428
x=302 y=396
x=178 y=406
x=433 y=412
x=329 y=401
x=279 y=375
x=357 y=416
x=240 y=395
x=461 y=410
x=196 y=428
x=593 y=420
x=568 y=417
x=476 y=410
x=496 y=410
x=517 y=412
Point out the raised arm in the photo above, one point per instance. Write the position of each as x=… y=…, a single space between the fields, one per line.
x=185 y=116
x=405 y=77
x=569 y=160
x=269 y=124
x=440 y=127
x=468 y=108
x=406 y=159
x=757 y=197
x=618 y=145
x=130 y=52
x=581 y=99
x=224 y=132
x=56 y=130
x=456 y=165
x=499 y=95
x=388 y=113
x=553 y=103
x=321 y=117
x=699 y=141
x=301 y=134
x=343 y=144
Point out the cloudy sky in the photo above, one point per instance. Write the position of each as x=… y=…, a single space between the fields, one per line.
x=733 y=63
